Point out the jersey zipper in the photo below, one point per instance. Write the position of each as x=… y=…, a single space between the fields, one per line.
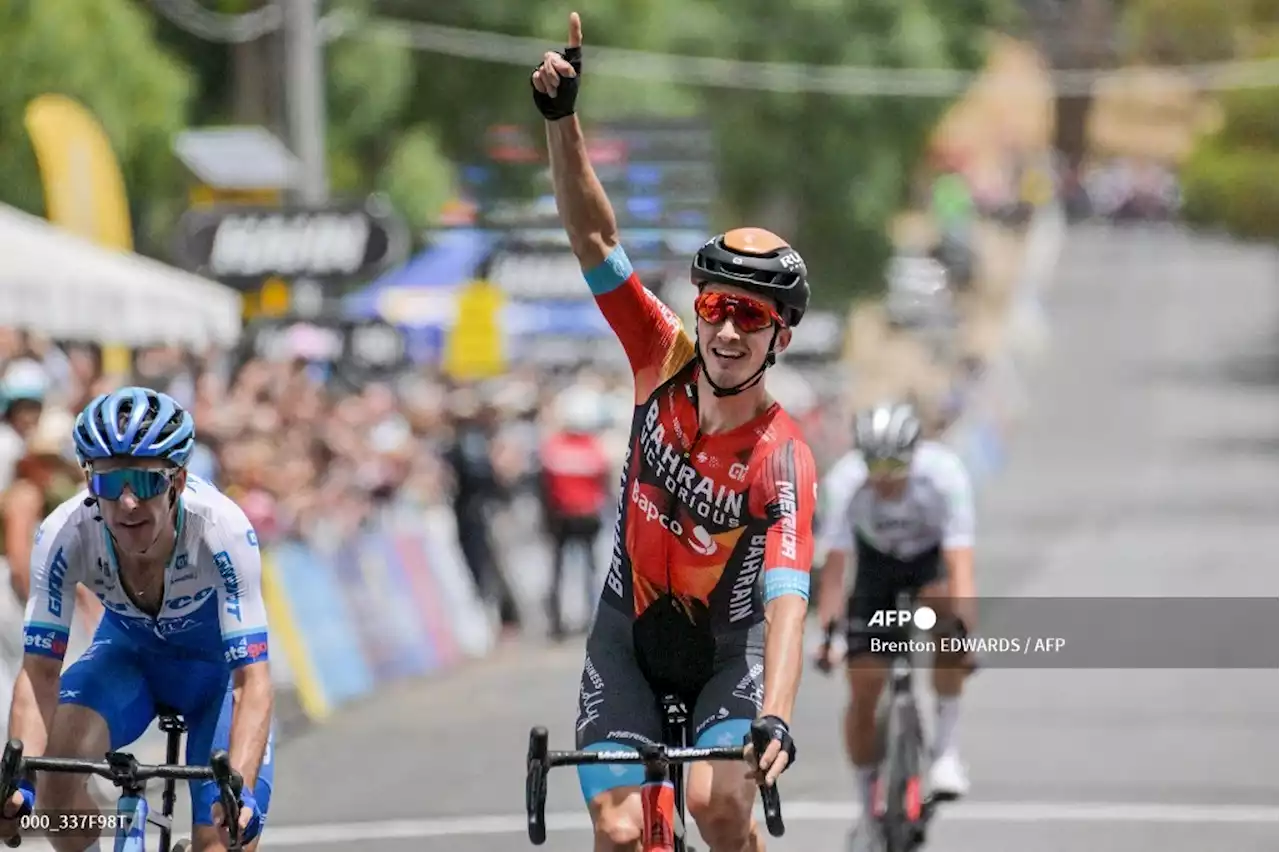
x=673 y=503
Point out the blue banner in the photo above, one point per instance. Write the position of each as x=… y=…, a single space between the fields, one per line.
x=324 y=622
x=391 y=603
x=398 y=618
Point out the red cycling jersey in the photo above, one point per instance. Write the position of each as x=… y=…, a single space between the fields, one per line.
x=701 y=516
x=575 y=468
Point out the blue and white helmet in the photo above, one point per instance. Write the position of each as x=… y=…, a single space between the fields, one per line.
x=137 y=422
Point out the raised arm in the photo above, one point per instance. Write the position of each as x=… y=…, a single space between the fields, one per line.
x=584 y=208
x=651 y=334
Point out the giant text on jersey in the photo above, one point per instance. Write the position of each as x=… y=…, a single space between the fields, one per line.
x=57 y=576
x=230 y=582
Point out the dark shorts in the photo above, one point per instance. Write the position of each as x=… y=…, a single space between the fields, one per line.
x=618 y=706
x=879 y=580
x=568 y=528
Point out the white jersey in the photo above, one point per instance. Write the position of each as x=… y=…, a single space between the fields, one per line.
x=935 y=511
x=212 y=608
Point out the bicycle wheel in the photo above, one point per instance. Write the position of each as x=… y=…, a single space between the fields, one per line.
x=900 y=824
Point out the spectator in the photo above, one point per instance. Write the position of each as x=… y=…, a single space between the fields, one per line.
x=476 y=489
x=45 y=477
x=22 y=390
x=314 y=459
x=575 y=491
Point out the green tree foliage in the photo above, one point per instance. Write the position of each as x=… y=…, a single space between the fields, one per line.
x=369 y=84
x=1232 y=188
x=1164 y=32
x=827 y=170
x=418 y=177
x=103 y=54
x=836 y=166
x=1231 y=179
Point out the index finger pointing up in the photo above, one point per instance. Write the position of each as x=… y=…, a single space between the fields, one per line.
x=575 y=30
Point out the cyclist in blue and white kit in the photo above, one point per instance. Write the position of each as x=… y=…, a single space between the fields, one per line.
x=176 y=565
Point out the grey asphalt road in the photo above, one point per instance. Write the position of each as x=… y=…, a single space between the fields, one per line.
x=1146 y=466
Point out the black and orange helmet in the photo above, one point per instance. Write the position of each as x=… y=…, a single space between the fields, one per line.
x=758 y=261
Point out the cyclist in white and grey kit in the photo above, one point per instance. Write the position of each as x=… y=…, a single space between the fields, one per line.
x=902 y=508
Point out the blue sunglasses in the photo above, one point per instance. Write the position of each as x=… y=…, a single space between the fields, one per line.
x=144 y=484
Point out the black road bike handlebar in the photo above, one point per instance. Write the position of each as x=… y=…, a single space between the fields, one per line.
x=655 y=758
x=124 y=771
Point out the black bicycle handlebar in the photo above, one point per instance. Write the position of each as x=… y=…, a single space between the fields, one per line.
x=121 y=769
x=541 y=761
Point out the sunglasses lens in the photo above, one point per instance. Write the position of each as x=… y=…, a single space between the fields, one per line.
x=751 y=316
x=748 y=314
x=710 y=308
x=144 y=484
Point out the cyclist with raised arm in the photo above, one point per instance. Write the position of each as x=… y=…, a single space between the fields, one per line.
x=902 y=512
x=708 y=586
x=176 y=565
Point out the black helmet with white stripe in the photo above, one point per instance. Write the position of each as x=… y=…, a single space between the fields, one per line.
x=887 y=431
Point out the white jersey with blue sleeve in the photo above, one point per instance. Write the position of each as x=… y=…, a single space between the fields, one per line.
x=212 y=608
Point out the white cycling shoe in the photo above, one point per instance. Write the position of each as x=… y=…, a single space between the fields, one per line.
x=948 y=777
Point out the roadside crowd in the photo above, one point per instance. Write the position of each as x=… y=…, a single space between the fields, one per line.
x=307 y=460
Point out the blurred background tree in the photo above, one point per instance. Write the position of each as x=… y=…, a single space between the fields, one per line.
x=832 y=170
x=1232 y=178
x=828 y=170
x=102 y=53
x=1074 y=35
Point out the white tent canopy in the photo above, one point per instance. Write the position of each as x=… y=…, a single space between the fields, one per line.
x=59 y=285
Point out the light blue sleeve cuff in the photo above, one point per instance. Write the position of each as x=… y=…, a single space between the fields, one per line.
x=785 y=581
x=610 y=274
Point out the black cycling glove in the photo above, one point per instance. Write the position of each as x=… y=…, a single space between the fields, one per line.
x=779 y=730
x=561 y=106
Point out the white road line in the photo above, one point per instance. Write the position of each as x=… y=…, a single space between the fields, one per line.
x=280 y=836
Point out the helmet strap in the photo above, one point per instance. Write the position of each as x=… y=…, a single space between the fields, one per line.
x=754 y=379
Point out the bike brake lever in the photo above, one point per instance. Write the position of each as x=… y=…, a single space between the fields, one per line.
x=10 y=769
x=230 y=783
x=769 y=797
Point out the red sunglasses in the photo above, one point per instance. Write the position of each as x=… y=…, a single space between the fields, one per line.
x=748 y=314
